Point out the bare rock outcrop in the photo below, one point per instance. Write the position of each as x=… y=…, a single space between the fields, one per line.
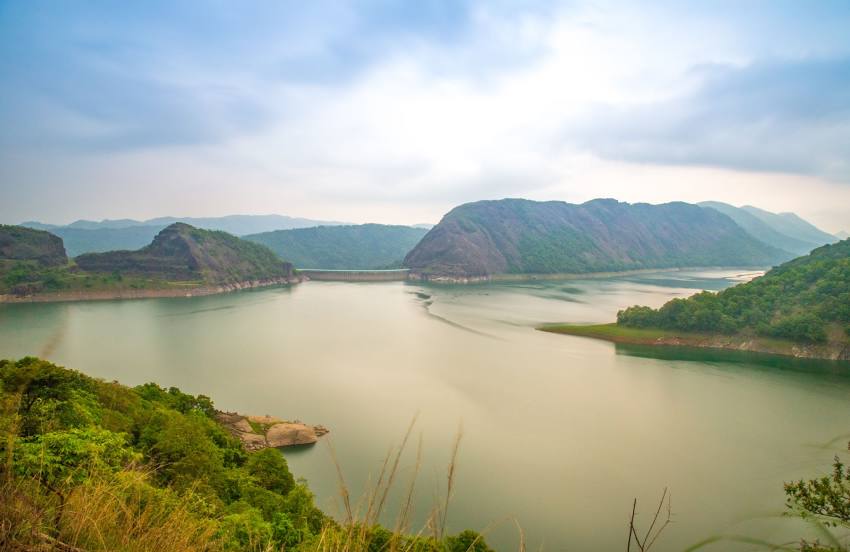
x=259 y=432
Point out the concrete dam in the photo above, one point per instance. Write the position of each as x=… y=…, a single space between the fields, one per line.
x=342 y=275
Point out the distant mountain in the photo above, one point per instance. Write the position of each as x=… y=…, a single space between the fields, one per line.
x=517 y=236
x=83 y=240
x=364 y=246
x=86 y=236
x=182 y=252
x=240 y=225
x=19 y=244
x=843 y=235
x=96 y=225
x=37 y=225
x=792 y=225
x=233 y=224
x=762 y=230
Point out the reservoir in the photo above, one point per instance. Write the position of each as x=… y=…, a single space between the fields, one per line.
x=559 y=433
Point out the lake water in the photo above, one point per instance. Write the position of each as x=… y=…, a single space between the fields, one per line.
x=560 y=433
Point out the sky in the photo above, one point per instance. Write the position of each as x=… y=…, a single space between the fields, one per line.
x=397 y=111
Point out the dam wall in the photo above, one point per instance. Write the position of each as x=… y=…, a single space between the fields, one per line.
x=395 y=275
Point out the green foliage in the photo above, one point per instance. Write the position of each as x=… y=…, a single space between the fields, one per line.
x=65 y=430
x=827 y=497
x=270 y=470
x=156 y=465
x=467 y=541
x=799 y=300
x=63 y=458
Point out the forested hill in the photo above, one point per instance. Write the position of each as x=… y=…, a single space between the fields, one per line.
x=516 y=236
x=363 y=246
x=182 y=252
x=20 y=244
x=805 y=300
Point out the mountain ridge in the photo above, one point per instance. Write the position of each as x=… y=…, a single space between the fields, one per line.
x=517 y=236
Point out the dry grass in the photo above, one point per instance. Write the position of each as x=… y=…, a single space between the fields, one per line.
x=120 y=513
x=357 y=533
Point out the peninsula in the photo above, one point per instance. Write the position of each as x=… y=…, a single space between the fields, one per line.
x=800 y=308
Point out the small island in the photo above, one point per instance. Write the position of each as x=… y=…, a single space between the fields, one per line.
x=800 y=308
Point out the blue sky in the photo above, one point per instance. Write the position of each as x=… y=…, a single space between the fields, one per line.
x=396 y=111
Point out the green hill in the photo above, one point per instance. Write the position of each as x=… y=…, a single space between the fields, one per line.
x=801 y=308
x=364 y=246
x=18 y=243
x=806 y=300
x=182 y=252
x=517 y=236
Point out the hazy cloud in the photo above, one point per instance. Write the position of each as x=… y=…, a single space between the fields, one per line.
x=784 y=116
x=398 y=110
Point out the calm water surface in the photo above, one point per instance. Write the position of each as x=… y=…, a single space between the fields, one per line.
x=560 y=433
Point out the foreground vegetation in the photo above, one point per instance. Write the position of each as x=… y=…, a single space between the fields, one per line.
x=805 y=300
x=91 y=465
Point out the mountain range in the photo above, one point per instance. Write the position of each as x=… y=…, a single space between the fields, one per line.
x=86 y=236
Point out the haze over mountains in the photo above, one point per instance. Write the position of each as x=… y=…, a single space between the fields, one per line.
x=86 y=236
x=510 y=236
x=785 y=231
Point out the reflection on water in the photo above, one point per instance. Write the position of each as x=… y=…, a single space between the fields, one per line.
x=561 y=432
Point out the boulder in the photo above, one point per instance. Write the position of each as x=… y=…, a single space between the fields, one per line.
x=288 y=434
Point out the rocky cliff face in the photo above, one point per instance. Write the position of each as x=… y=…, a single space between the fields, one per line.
x=18 y=243
x=515 y=236
x=182 y=252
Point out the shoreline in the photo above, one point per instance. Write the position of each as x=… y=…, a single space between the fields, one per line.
x=120 y=294
x=662 y=338
x=496 y=278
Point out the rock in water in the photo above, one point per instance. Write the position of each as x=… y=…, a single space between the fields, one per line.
x=286 y=434
x=273 y=432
